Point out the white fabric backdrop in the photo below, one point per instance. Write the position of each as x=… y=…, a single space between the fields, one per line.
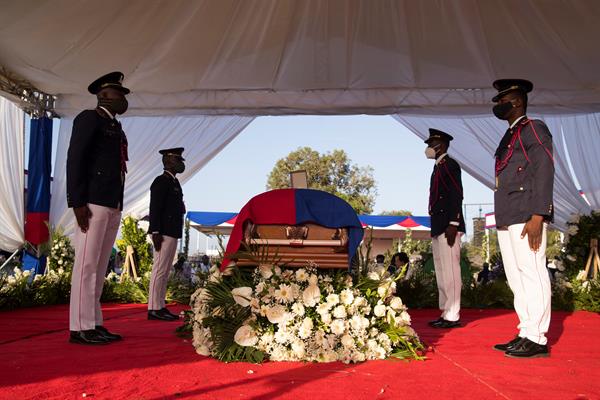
x=476 y=139
x=12 y=181
x=319 y=56
x=202 y=136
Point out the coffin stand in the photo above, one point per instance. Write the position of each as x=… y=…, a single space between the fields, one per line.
x=296 y=245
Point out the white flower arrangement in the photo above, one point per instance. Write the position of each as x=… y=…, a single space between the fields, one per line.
x=62 y=254
x=301 y=315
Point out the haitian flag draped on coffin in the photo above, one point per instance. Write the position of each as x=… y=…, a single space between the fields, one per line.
x=295 y=207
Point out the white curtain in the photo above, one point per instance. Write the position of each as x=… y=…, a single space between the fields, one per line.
x=12 y=181
x=476 y=139
x=202 y=136
x=579 y=137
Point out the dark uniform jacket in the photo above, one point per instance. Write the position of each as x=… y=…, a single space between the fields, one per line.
x=524 y=174
x=96 y=161
x=166 y=206
x=445 y=196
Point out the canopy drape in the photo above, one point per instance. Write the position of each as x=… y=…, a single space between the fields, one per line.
x=202 y=136
x=476 y=139
x=261 y=57
x=12 y=182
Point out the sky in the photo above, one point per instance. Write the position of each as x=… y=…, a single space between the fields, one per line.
x=401 y=169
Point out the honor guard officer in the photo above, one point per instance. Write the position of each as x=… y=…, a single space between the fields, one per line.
x=96 y=168
x=523 y=207
x=447 y=226
x=166 y=224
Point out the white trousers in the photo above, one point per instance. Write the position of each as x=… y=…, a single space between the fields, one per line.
x=446 y=261
x=528 y=279
x=163 y=261
x=92 y=252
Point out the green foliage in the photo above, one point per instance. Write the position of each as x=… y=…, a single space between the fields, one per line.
x=61 y=252
x=420 y=291
x=331 y=172
x=133 y=235
x=228 y=317
x=494 y=294
x=411 y=246
x=179 y=289
x=398 y=213
x=19 y=289
x=554 y=244
x=587 y=295
x=186 y=239
x=127 y=291
x=577 y=247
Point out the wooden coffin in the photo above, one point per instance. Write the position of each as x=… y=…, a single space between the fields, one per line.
x=296 y=245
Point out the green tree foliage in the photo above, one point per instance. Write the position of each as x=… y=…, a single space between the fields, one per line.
x=398 y=213
x=577 y=248
x=133 y=235
x=331 y=172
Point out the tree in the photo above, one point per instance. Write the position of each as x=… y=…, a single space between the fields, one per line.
x=397 y=213
x=331 y=172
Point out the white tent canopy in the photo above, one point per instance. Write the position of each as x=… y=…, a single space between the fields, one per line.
x=319 y=57
x=428 y=62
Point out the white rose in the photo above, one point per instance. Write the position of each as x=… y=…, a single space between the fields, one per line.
x=255 y=305
x=282 y=336
x=396 y=303
x=347 y=341
x=245 y=336
x=304 y=332
x=266 y=270
x=326 y=318
x=337 y=327
x=323 y=308
x=373 y=275
x=347 y=297
x=276 y=314
x=348 y=281
x=311 y=295
x=356 y=322
x=298 y=349
x=333 y=299
x=60 y=262
x=379 y=310
x=405 y=317
x=242 y=295
x=339 y=312
x=260 y=287
x=203 y=350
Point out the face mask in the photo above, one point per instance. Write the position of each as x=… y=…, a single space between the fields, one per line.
x=501 y=110
x=430 y=152
x=179 y=167
x=117 y=106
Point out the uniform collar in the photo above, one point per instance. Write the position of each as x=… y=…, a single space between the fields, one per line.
x=517 y=121
x=107 y=112
x=439 y=159
x=172 y=176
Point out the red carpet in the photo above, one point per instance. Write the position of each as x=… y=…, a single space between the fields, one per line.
x=37 y=362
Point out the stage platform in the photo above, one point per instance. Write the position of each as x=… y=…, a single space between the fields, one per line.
x=37 y=362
